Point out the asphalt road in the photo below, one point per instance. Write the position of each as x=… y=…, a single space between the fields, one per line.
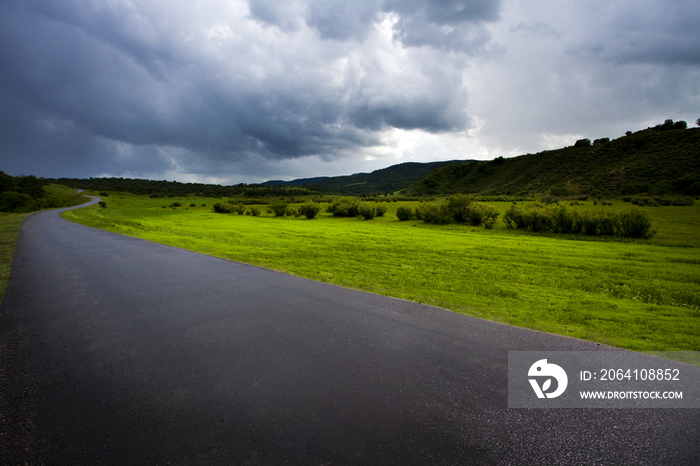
x=121 y=351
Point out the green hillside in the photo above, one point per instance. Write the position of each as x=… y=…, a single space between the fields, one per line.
x=22 y=194
x=385 y=180
x=651 y=161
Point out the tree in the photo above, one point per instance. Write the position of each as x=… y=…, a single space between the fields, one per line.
x=697 y=122
x=583 y=143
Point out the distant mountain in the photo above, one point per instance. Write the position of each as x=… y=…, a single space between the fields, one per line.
x=651 y=161
x=385 y=180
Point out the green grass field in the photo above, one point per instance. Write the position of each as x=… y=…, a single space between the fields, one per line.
x=638 y=294
x=9 y=229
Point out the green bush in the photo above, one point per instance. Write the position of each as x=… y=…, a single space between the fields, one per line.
x=222 y=208
x=102 y=204
x=514 y=218
x=537 y=217
x=588 y=223
x=279 y=208
x=254 y=211
x=238 y=208
x=344 y=207
x=380 y=210
x=632 y=223
x=366 y=211
x=309 y=210
x=565 y=221
x=404 y=213
x=489 y=214
x=12 y=201
x=436 y=212
x=459 y=208
x=635 y=223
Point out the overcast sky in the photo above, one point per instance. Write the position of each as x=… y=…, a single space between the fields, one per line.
x=229 y=91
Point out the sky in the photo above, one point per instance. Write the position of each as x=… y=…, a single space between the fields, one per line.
x=236 y=91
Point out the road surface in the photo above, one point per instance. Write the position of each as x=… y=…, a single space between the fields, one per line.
x=120 y=351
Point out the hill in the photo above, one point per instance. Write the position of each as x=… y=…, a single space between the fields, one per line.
x=652 y=161
x=385 y=180
x=22 y=194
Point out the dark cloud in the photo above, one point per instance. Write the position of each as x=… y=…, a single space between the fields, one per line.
x=112 y=86
x=651 y=32
x=443 y=24
x=227 y=88
x=343 y=20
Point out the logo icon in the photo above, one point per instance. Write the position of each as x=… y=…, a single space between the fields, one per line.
x=551 y=371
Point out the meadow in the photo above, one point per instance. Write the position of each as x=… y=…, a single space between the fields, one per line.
x=638 y=294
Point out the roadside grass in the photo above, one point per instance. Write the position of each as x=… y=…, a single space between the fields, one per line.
x=641 y=295
x=9 y=230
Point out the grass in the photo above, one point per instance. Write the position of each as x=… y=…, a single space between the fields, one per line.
x=9 y=229
x=637 y=294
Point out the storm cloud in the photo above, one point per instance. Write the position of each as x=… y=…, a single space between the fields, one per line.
x=231 y=91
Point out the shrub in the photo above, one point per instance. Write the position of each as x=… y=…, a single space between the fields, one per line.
x=279 y=208
x=645 y=201
x=404 y=213
x=514 y=218
x=563 y=220
x=459 y=206
x=607 y=223
x=102 y=204
x=193 y=205
x=104 y=194
x=536 y=217
x=12 y=201
x=489 y=214
x=635 y=223
x=588 y=223
x=344 y=207
x=309 y=210
x=366 y=211
x=253 y=211
x=175 y=204
x=582 y=143
x=380 y=210
x=436 y=212
x=476 y=214
x=222 y=208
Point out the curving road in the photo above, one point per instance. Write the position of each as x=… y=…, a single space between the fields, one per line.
x=121 y=351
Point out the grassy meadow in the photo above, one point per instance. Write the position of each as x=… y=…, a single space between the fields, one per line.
x=638 y=294
x=9 y=229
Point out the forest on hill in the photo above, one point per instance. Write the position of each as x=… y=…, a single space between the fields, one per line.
x=664 y=160
x=21 y=194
